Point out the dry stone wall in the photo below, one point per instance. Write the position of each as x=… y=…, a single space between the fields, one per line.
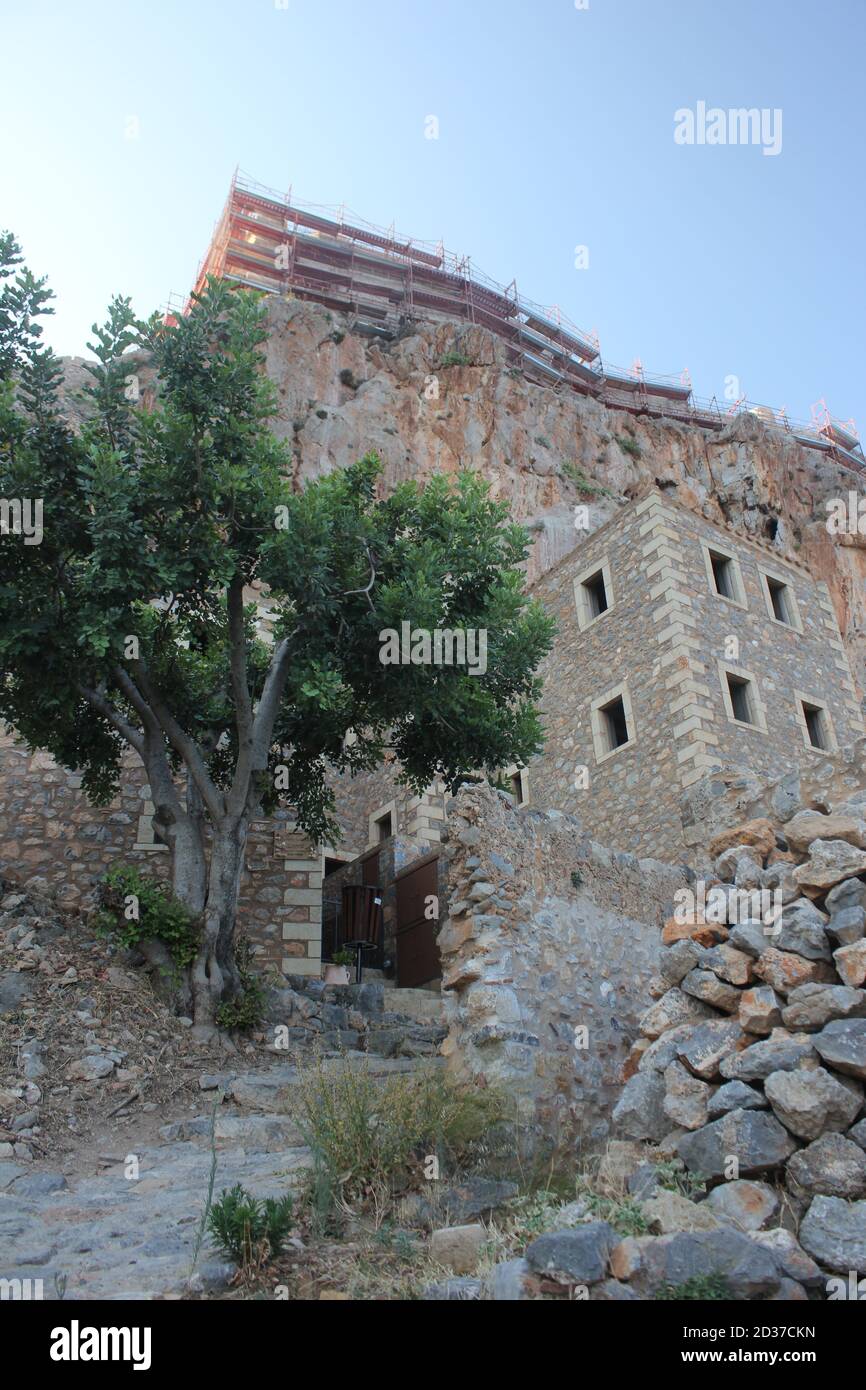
x=548 y=933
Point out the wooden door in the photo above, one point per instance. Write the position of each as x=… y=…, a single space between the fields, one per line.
x=417 y=953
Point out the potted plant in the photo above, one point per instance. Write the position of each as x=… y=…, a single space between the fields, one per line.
x=337 y=971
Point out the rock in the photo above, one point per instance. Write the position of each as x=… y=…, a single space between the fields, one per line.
x=477 y=1196
x=752 y=938
x=643 y=1182
x=703 y=933
x=15 y=988
x=789 y=1291
x=851 y=963
x=735 y=1095
x=673 y=1009
x=809 y=826
x=792 y=1259
x=728 y=963
x=755 y=1138
x=679 y=959
x=750 y=1271
x=612 y=1291
x=702 y=1051
x=842 y=1045
x=706 y=986
x=782 y=1051
x=858 y=1133
x=785 y=971
x=812 y=1101
x=848 y=894
x=801 y=929
x=621 y=1158
x=760 y=1009
x=507 y=1282
x=670 y=1211
x=758 y=834
x=833 y=1232
x=748 y=1205
x=454 y=1291
x=627 y=1256
x=686 y=1097
x=92 y=1068
x=739 y=865
x=811 y=1006
x=458 y=1248
x=639 y=1113
x=849 y=925
x=829 y=862
x=658 y=1055
x=578 y=1256
x=39 y=1184
x=779 y=879
x=832 y=1166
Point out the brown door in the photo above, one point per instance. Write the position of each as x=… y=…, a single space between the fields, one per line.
x=417 y=953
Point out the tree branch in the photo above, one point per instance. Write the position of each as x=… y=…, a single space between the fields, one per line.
x=238 y=649
x=183 y=745
x=133 y=736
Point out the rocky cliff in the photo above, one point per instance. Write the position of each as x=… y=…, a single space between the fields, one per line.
x=441 y=396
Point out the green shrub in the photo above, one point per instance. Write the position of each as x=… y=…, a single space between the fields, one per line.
x=369 y=1137
x=455 y=359
x=543 y=440
x=585 y=486
x=133 y=908
x=246 y=1010
x=629 y=445
x=701 y=1287
x=246 y=1229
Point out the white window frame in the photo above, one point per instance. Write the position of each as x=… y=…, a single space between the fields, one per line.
x=599 y=725
x=586 y=618
x=739 y=596
x=726 y=668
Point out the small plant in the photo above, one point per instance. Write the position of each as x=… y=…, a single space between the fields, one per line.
x=455 y=359
x=133 y=908
x=576 y=878
x=337 y=336
x=702 y=1288
x=543 y=440
x=322 y=414
x=676 y=1178
x=342 y=957
x=629 y=445
x=247 y=1229
x=245 y=1011
x=584 y=485
x=348 y=378
x=625 y=1214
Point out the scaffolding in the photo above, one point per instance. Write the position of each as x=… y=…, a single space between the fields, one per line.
x=270 y=241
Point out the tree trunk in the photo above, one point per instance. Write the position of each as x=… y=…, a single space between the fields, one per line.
x=214 y=973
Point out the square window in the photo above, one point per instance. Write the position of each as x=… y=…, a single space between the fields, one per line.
x=596 y=594
x=723 y=577
x=615 y=724
x=384 y=827
x=741 y=699
x=779 y=601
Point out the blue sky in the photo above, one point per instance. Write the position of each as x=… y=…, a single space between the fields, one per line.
x=556 y=129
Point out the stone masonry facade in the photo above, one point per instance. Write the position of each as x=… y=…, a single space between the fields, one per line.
x=662 y=650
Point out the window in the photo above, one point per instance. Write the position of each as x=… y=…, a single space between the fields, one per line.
x=816 y=724
x=593 y=593
x=742 y=698
x=517 y=781
x=741 y=702
x=723 y=573
x=615 y=725
x=781 y=600
x=384 y=827
x=612 y=722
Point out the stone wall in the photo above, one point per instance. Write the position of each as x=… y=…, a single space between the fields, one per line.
x=664 y=644
x=50 y=832
x=548 y=932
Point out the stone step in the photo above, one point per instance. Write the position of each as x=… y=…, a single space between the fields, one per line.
x=423 y=1005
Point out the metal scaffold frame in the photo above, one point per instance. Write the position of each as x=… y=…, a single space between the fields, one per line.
x=273 y=242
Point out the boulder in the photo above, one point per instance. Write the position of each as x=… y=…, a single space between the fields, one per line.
x=757 y=834
x=670 y=1211
x=833 y=1232
x=858 y=1133
x=811 y=1006
x=792 y=1259
x=686 y=1097
x=849 y=924
x=801 y=929
x=639 y=1113
x=750 y=1271
x=706 y=1045
x=739 y=865
x=782 y=1051
x=760 y=1010
x=851 y=963
x=679 y=959
x=508 y=1282
x=842 y=1045
x=748 y=1205
x=458 y=1248
x=829 y=862
x=578 y=1256
x=752 y=938
x=832 y=1166
x=735 y=1095
x=728 y=963
x=784 y=970
x=810 y=1102
x=808 y=826
x=673 y=1009
x=754 y=1137
x=706 y=986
